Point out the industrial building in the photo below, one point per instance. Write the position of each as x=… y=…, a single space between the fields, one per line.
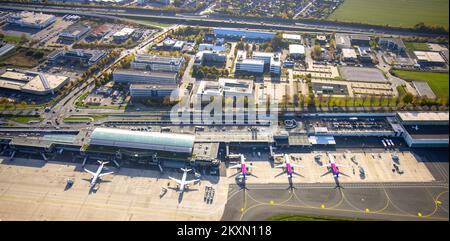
x=392 y=44
x=99 y=32
x=364 y=54
x=74 y=32
x=144 y=77
x=297 y=51
x=27 y=19
x=425 y=129
x=225 y=87
x=157 y=63
x=248 y=65
x=349 y=55
x=360 y=40
x=342 y=41
x=123 y=34
x=32 y=82
x=295 y=38
x=242 y=33
x=151 y=90
x=83 y=56
x=429 y=58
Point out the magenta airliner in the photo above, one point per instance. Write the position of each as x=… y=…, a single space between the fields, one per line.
x=287 y=165
x=242 y=165
x=333 y=166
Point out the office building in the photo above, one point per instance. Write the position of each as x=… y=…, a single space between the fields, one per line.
x=31 y=19
x=144 y=77
x=157 y=63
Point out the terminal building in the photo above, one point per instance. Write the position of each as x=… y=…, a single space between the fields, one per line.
x=31 y=19
x=144 y=77
x=84 y=57
x=425 y=129
x=32 y=82
x=242 y=33
x=157 y=63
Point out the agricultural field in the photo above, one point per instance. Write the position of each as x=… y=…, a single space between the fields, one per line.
x=438 y=82
x=399 y=13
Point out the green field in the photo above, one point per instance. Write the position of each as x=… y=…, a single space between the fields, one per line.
x=399 y=13
x=437 y=81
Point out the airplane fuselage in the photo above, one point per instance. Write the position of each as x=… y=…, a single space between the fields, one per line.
x=97 y=175
x=183 y=181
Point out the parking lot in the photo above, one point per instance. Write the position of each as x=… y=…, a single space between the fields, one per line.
x=362 y=74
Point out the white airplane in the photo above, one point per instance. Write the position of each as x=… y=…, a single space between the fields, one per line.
x=243 y=166
x=96 y=176
x=287 y=165
x=334 y=167
x=182 y=183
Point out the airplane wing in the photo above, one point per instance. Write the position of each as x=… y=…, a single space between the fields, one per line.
x=191 y=181
x=92 y=173
x=237 y=166
x=176 y=180
x=281 y=166
x=104 y=174
x=326 y=165
x=296 y=165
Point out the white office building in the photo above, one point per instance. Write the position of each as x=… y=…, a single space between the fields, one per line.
x=144 y=77
x=157 y=63
x=151 y=90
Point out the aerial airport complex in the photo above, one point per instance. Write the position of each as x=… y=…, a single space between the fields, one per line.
x=108 y=118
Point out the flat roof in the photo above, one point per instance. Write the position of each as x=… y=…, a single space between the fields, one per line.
x=322 y=140
x=292 y=36
x=429 y=56
x=170 y=142
x=349 y=53
x=423 y=116
x=143 y=72
x=296 y=49
x=31 y=81
x=33 y=17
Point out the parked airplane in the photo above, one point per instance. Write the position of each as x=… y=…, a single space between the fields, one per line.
x=96 y=176
x=287 y=165
x=242 y=165
x=183 y=183
x=333 y=167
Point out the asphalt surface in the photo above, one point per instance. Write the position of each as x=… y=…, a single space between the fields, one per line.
x=394 y=201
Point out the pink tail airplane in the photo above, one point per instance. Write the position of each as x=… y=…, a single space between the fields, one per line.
x=287 y=165
x=333 y=166
x=242 y=165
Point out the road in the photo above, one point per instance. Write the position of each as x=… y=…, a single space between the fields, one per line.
x=217 y=21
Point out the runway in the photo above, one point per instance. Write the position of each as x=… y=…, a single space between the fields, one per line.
x=389 y=201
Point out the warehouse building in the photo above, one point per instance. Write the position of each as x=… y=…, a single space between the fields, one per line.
x=294 y=38
x=151 y=90
x=242 y=33
x=297 y=51
x=349 y=55
x=157 y=63
x=360 y=40
x=83 y=56
x=27 y=19
x=429 y=58
x=73 y=32
x=144 y=77
x=123 y=34
x=32 y=82
x=342 y=41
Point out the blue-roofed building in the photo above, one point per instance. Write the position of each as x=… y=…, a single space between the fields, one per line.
x=149 y=141
x=242 y=33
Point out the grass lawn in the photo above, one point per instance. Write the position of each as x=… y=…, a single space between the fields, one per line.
x=399 y=13
x=437 y=81
x=148 y=23
x=11 y=39
x=23 y=119
x=290 y=217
